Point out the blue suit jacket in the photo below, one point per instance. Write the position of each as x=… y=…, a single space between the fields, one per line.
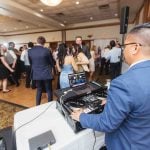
x=126 y=117
x=41 y=63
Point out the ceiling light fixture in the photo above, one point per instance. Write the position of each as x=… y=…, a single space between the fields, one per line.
x=38 y=15
x=62 y=24
x=91 y=18
x=51 y=2
x=116 y=15
x=77 y=2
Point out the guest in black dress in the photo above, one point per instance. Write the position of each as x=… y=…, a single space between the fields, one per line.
x=5 y=70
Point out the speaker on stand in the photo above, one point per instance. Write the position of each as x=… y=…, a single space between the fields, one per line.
x=124 y=20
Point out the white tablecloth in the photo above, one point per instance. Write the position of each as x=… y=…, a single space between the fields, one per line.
x=51 y=119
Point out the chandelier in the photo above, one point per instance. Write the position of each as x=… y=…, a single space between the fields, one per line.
x=51 y=2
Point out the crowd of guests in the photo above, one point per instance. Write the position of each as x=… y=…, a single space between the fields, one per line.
x=39 y=65
x=126 y=115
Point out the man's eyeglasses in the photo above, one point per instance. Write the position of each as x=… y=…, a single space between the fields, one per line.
x=124 y=45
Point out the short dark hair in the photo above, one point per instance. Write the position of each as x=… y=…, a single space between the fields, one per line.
x=41 y=40
x=112 y=43
x=79 y=37
x=140 y=27
x=143 y=32
x=30 y=44
x=11 y=44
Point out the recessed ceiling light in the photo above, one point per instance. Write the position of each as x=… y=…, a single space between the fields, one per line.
x=41 y=10
x=62 y=24
x=15 y=28
x=38 y=15
x=115 y=14
x=77 y=2
x=91 y=18
x=27 y=27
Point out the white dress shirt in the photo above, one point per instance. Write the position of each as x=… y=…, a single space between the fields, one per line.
x=114 y=55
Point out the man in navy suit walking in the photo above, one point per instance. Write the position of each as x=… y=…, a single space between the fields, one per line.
x=41 y=66
x=126 y=116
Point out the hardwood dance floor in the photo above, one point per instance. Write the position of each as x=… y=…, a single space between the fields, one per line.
x=26 y=96
x=21 y=95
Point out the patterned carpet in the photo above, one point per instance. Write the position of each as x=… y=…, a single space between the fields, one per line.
x=7 y=111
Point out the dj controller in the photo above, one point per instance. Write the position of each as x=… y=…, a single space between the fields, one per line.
x=89 y=103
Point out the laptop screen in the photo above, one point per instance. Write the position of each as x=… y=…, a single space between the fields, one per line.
x=77 y=79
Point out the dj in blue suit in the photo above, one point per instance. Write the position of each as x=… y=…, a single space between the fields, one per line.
x=126 y=116
x=42 y=64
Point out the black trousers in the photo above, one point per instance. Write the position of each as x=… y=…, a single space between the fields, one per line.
x=114 y=70
x=28 y=78
x=28 y=75
x=104 y=65
x=47 y=84
x=13 y=78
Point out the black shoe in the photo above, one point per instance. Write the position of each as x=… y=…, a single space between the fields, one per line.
x=33 y=87
x=11 y=83
x=103 y=148
x=27 y=86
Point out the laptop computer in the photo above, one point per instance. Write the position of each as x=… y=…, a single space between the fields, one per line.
x=79 y=85
x=78 y=82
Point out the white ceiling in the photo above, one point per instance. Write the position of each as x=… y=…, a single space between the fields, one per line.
x=24 y=16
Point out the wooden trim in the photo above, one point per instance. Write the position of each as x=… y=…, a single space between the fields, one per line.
x=146 y=13
x=84 y=27
x=32 y=33
x=136 y=19
x=95 y=26
x=36 y=43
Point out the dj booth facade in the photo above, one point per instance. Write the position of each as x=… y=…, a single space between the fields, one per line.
x=49 y=118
